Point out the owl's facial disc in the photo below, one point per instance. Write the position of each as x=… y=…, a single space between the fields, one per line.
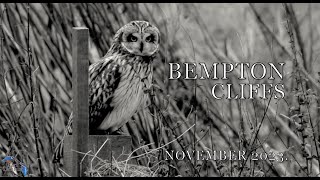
x=140 y=41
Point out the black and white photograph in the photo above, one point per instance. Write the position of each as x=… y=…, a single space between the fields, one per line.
x=159 y=89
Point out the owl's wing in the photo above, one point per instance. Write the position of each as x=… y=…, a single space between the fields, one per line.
x=104 y=78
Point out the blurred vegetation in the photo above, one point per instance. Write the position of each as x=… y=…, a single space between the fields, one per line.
x=36 y=96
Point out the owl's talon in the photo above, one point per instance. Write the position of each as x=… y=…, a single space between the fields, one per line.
x=120 y=132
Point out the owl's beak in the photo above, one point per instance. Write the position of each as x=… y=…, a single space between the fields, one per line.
x=141 y=47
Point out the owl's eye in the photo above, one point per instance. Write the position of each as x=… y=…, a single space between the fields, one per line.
x=150 y=38
x=132 y=38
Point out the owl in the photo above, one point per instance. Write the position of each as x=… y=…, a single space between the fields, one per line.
x=117 y=82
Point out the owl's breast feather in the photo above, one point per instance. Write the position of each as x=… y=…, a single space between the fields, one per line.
x=129 y=95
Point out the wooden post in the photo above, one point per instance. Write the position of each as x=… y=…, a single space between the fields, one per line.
x=80 y=124
x=74 y=163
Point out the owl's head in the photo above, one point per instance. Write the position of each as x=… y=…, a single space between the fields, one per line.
x=138 y=38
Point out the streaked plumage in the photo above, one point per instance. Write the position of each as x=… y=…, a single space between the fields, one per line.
x=118 y=81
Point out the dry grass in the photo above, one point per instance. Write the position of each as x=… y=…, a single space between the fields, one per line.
x=121 y=170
